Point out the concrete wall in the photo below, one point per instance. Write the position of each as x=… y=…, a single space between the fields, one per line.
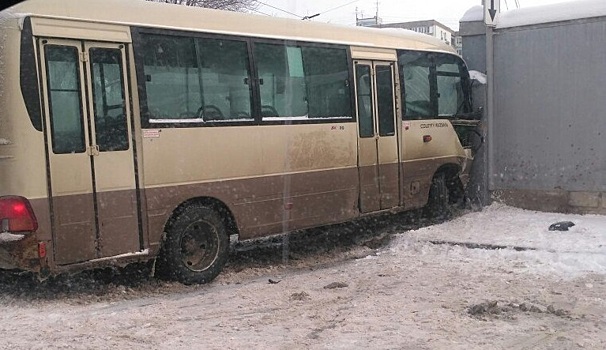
x=550 y=108
x=550 y=114
x=473 y=35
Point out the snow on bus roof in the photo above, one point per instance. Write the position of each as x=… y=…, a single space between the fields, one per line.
x=565 y=11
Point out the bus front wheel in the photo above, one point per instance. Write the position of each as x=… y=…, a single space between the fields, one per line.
x=196 y=245
x=438 y=205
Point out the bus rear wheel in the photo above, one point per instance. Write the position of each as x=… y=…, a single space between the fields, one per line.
x=196 y=246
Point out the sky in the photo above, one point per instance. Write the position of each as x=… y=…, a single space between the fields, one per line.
x=343 y=12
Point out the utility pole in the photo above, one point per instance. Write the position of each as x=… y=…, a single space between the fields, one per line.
x=491 y=10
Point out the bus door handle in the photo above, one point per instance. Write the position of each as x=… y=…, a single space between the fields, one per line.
x=93 y=150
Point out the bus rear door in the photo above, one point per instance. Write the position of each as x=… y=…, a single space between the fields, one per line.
x=90 y=150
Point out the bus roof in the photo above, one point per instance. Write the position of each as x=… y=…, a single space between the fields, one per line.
x=162 y=15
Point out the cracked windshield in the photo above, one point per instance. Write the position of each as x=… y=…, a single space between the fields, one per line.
x=289 y=174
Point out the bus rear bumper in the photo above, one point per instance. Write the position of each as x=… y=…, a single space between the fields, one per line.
x=19 y=252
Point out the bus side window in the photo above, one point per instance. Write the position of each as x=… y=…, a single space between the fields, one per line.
x=416 y=75
x=451 y=99
x=63 y=75
x=111 y=130
x=327 y=80
x=172 y=84
x=199 y=80
x=224 y=79
x=303 y=81
x=281 y=80
x=385 y=101
x=364 y=92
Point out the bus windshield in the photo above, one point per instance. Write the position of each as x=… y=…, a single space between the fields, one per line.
x=435 y=84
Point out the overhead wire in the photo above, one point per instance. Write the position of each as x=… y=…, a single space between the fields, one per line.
x=332 y=9
x=260 y=12
x=304 y=17
x=338 y=7
x=279 y=9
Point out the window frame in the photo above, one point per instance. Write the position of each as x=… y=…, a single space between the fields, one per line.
x=78 y=84
x=433 y=84
x=137 y=37
x=123 y=94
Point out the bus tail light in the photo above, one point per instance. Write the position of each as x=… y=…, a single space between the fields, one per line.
x=17 y=215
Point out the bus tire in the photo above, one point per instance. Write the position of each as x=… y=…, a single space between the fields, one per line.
x=438 y=205
x=196 y=246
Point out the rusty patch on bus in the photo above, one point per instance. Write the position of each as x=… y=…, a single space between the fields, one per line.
x=20 y=254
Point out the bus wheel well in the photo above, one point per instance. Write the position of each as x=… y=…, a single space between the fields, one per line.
x=445 y=193
x=451 y=172
x=221 y=208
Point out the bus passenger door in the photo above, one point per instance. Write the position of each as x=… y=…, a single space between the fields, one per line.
x=112 y=145
x=90 y=150
x=378 y=156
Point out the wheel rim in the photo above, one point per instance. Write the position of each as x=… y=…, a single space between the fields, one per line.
x=199 y=246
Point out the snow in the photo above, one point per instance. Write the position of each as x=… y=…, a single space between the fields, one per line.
x=191 y=120
x=125 y=255
x=478 y=76
x=408 y=294
x=552 y=13
x=569 y=254
x=303 y=117
x=474 y=14
x=10 y=237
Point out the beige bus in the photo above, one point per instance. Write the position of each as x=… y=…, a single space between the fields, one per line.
x=135 y=131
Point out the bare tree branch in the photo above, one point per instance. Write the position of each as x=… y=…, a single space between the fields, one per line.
x=230 y=5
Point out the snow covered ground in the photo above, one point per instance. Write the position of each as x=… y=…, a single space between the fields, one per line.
x=579 y=251
x=459 y=292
